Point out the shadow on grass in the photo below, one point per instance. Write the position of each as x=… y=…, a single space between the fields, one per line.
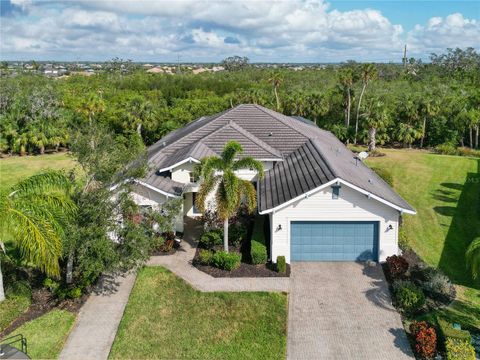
x=465 y=225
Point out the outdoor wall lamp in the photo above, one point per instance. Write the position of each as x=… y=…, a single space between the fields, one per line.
x=279 y=227
x=390 y=227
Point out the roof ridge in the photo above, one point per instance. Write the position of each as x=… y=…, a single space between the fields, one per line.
x=255 y=139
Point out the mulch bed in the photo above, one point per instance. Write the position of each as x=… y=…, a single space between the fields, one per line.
x=245 y=269
x=42 y=303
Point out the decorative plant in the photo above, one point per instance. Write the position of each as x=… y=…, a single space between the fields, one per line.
x=397 y=266
x=425 y=338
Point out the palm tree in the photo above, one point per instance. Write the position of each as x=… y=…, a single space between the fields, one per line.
x=367 y=74
x=92 y=106
x=375 y=116
x=346 y=78
x=429 y=106
x=138 y=113
x=408 y=134
x=218 y=175
x=276 y=79
x=473 y=257
x=33 y=214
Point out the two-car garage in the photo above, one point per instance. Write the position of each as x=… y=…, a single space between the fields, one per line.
x=333 y=240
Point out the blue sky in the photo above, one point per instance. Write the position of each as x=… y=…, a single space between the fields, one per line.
x=204 y=31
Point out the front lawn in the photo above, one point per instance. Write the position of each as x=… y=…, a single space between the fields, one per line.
x=11 y=308
x=47 y=334
x=445 y=191
x=167 y=319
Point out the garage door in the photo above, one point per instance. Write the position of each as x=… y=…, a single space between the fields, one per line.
x=333 y=241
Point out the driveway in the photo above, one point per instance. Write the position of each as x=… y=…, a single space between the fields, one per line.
x=342 y=310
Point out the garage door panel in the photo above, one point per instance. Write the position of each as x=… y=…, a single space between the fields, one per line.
x=333 y=241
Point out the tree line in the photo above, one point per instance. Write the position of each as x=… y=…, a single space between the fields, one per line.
x=415 y=104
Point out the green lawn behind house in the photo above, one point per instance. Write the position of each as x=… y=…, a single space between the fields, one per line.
x=16 y=168
x=167 y=319
x=445 y=191
x=47 y=334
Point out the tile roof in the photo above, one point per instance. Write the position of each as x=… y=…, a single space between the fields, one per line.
x=164 y=184
x=311 y=156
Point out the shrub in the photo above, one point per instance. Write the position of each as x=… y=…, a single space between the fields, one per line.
x=18 y=288
x=435 y=284
x=447 y=331
x=205 y=257
x=258 y=250
x=446 y=149
x=226 y=261
x=385 y=174
x=237 y=233
x=51 y=285
x=210 y=239
x=281 y=264
x=425 y=338
x=397 y=266
x=408 y=297
x=459 y=349
x=75 y=293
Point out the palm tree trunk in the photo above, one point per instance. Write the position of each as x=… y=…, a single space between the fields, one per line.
x=69 y=275
x=372 y=132
x=139 y=130
x=471 y=137
x=276 y=97
x=476 y=136
x=424 y=128
x=2 y=291
x=225 y=235
x=358 y=112
x=349 y=105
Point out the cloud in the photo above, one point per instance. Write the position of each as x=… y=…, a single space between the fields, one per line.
x=146 y=30
x=450 y=32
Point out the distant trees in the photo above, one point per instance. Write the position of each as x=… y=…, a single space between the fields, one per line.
x=375 y=116
x=368 y=72
x=235 y=63
x=347 y=79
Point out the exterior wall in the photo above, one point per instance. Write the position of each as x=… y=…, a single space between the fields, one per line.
x=144 y=196
x=351 y=205
x=182 y=173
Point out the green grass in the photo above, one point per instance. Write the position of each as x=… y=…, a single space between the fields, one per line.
x=11 y=308
x=47 y=334
x=445 y=191
x=167 y=319
x=16 y=168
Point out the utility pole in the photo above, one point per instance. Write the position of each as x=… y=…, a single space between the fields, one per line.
x=405 y=57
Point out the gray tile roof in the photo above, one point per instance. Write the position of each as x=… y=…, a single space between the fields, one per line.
x=164 y=184
x=311 y=156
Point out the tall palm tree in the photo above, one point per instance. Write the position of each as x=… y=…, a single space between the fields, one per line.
x=473 y=257
x=33 y=214
x=429 y=107
x=367 y=74
x=276 y=79
x=218 y=175
x=347 y=78
x=92 y=106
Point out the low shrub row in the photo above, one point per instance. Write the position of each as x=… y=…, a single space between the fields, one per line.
x=258 y=249
x=449 y=149
x=220 y=259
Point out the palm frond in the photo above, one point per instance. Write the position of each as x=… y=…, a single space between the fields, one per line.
x=249 y=162
x=231 y=149
x=41 y=183
x=208 y=185
x=473 y=257
x=250 y=194
x=208 y=166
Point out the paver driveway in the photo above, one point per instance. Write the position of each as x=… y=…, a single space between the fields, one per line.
x=342 y=310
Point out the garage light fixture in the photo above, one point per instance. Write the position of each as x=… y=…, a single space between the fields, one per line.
x=279 y=227
x=390 y=227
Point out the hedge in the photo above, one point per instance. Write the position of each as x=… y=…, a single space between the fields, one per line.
x=258 y=249
x=447 y=331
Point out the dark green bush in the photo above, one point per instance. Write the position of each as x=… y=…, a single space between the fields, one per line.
x=210 y=239
x=205 y=257
x=258 y=250
x=226 y=261
x=408 y=297
x=459 y=349
x=75 y=293
x=19 y=288
x=281 y=264
x=448 y=331
x=385 y=174
x=237 y=233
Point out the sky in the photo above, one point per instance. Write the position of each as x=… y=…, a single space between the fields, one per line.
x=209 y=31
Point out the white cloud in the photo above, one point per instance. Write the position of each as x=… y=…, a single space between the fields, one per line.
x=450 y=32
x=149 y=30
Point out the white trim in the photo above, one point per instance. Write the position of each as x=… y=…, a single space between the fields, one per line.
x=189 y=159
x=304 y=195
x=157 y=190
x=338 y=180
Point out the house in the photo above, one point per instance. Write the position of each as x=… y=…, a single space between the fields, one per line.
x=322 y=203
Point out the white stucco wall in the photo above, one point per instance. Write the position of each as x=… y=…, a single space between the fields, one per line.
x=350 y=206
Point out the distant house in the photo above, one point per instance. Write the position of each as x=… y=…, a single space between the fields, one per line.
x=320 y=201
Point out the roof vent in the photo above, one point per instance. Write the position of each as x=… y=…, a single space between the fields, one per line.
x=270 y=134
x=370 y=181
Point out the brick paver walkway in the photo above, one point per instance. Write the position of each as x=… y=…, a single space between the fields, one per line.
x=342 y=310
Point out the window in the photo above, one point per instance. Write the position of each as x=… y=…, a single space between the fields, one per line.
x=193 y=178
x=335 y=191
x=194 y=207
